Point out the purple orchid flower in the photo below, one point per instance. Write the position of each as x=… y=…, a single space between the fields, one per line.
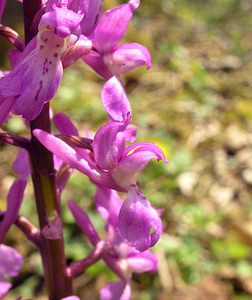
x=108 y=58
x=127 y=258
x=115 y=166
x=34 y=80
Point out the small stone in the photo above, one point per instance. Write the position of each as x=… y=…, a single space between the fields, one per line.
x=221 y=195
x=187 y=182
x=247 y=176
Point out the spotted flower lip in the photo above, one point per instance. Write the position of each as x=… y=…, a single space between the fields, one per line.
x=107 y=57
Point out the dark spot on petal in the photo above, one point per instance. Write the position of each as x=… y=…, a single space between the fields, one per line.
x=55 y=54
x=39 y=89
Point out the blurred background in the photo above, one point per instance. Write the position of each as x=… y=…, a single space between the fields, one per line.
x=195 y=103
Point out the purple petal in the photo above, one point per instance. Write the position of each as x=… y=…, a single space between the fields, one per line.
x=70 y=156
x=62 y=177
x=64 y=124
x=4 y=286
x=14 y=200
x=84 y=222
x=108 y=145
x=95 y=61
x=10 y=264
x=145 y=147
x=21 y=164
x=64 y=20
x=108 y=204
x=5 y=107
x=129 y=56
x=118 y=290
x=143 y=262
x=63 y=151
x=115 y=100
x=91 y=16
x=113 y=25
x=134 y=159
x=139 y=223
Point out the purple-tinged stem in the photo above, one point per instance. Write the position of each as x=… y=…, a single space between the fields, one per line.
x=58 y=283
x=31 y=231
x=14 y=139
x=76 y=268
x=12 y=36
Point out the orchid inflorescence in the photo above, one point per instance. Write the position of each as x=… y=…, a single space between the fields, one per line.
x=59 y=32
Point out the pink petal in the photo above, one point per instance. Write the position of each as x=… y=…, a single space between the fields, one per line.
x=143 y=262
x=91 y=16
x=21 y=164
x=118 y=290
x=10 y=264
x=63 y=151
x=113 y=25
x=84 y=222
x=108 y=204
x=5 y=107
x=70 y=156
x=95 y=61
x=129 y=56
x=64 y=124
x=14 y=200
x=145 y=147
x=115 y=100
x=139 y=223
x=108 y=145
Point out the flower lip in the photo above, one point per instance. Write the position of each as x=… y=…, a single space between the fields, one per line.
x=139 y=223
